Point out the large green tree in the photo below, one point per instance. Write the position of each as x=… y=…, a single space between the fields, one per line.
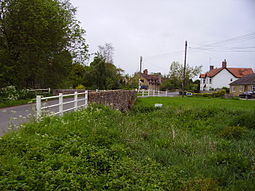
x=175 y=78
x=39 y=41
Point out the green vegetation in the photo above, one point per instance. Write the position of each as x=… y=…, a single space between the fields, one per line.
x=9 y=103
x=188 y=144
x=39 y=42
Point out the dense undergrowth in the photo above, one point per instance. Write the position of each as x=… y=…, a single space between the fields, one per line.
x=189 y=144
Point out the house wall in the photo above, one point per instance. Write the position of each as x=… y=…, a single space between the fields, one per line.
x=236 y=90
x=220 y=80
x=146 y=83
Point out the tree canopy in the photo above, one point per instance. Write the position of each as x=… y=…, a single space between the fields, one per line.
x=175 y=77
x=39 y=42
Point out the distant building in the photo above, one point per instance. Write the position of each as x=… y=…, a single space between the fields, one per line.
x=150 y=81
x=244 y=84
x=217 y=78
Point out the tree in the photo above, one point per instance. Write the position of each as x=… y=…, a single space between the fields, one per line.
x=175 y=76
x=102 y=73
x=39 y=41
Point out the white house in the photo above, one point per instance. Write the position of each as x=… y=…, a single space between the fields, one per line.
x=217 y=78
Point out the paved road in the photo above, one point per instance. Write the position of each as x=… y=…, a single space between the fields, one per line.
x=12 y=117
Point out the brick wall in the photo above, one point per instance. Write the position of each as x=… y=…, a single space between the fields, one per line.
x=116 y=99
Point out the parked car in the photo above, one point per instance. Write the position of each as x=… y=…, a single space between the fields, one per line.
x=247 y=95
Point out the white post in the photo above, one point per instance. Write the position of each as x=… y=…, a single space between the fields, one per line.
x=38 y=106
x=49 y=90
x=148 y=92
x=75 y=101
x=153 y=92
x=60 y=103
x=166 y=92
x=158 y=92
x=86 y=99
x=143 y=93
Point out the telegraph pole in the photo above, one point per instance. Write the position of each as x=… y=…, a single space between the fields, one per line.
x=141 y=62
x=184 y=69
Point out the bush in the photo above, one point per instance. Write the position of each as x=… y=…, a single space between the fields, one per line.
x=80 y=87
x=219 y=93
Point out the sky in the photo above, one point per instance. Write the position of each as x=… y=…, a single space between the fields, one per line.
x=157 y=29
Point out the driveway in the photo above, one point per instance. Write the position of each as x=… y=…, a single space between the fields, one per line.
x=12 y=117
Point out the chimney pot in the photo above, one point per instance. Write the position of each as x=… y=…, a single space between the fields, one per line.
x=224 y=64
x=145 y=72
x=211 y=68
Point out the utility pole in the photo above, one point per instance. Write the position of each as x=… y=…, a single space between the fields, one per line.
x=139 y=82
x=141 y=62
x=184 y=69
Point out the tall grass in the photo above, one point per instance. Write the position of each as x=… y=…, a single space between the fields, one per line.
x=189 y=144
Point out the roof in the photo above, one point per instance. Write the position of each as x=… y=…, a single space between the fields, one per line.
x=246 y=80
x=237 y=72
x=151 y=77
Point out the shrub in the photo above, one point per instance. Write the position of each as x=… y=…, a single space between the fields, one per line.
x=233 y=132
x=80 y=87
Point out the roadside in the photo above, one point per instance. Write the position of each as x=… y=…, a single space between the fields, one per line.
x=11 y=118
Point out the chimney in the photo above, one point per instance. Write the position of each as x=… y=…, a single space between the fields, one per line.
x=211 y=68
x=224 y=64
x=145 y=72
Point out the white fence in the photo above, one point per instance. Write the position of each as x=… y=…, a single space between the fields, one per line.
x=151 y=93
x=60 y=99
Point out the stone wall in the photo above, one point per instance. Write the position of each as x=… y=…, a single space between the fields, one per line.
x=117 y=99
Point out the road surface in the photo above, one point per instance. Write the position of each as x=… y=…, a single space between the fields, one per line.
x=12 y=117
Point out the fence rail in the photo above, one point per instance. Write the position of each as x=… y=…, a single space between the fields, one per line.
x=151 y=93
x=61 y=103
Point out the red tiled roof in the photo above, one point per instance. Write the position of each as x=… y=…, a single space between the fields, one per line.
x=240 y=72
x=237 y=72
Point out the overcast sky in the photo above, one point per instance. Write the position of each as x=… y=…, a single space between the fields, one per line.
x=157 y=30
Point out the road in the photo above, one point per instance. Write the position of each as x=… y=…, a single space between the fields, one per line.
x=12 y=117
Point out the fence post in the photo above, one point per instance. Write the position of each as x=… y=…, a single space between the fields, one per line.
x=49 y=90
x=153 y=92
x=166 y=92
x=148 y=92
x=38 y=106
x=60 y=103
x=158 y=92
x=86 y=99
x=75 y=101
x=143 y=93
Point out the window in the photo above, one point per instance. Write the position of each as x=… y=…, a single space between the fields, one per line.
x=233 y=88
x=241 y=89
x=204 y=81
x=253 y=88
x=231 y=80
x=210 y=80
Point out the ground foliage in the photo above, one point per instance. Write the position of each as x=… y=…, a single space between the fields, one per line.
x=189 y=144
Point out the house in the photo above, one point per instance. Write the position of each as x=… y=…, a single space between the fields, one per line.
x=149 y=81
x=244 y=84
x=217 y=78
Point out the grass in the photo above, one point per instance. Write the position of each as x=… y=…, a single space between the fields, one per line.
x=11 y=103
x=189 y=144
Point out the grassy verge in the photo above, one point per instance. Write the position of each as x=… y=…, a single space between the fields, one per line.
x=10 y=103
x=189 y=144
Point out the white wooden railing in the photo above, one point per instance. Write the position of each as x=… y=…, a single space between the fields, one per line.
x=151 y=93
x=61 y=103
